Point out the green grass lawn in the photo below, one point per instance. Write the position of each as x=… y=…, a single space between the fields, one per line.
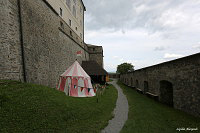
x=36 y=108
x=149 y=116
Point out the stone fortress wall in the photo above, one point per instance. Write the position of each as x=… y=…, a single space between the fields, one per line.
x=96 y=54
x=36 y=44
x=72 y=11
x=10 y=45
x=176 y=83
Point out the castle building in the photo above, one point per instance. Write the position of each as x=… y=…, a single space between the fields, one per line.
x=72 y=12
x=39 y=39
x=96 y=54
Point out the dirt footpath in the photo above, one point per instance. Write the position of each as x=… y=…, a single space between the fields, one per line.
x=120 y=113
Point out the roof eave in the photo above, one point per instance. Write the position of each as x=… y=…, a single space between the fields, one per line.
x=83 y=5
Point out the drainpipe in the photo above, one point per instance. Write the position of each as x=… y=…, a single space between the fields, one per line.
x=21 y=40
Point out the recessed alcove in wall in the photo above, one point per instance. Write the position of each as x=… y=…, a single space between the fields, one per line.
x=146 y=87
x=166 y=92
x=137 y=84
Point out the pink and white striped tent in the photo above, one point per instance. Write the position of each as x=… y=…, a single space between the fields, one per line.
x=76 y=82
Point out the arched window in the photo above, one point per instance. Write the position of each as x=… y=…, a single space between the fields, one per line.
x=68 y=2
x=74 y=11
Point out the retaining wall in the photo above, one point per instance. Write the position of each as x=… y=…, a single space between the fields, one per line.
x=183 y=74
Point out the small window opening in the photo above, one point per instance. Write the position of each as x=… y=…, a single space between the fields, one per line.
x=61 y=12
x=70 y=22
x=61 y=25
x=70 y=32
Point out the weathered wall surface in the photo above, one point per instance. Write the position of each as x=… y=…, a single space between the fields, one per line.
x=183 y=74
x=49 y=48
x=67 y=14
x=10 y=46
x=96 y=54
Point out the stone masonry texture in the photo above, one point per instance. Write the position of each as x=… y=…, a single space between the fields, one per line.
x=49 y=48
x=10 y=46
x=183 y=74
x=96 y=54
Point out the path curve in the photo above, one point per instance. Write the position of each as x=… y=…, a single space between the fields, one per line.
x=120 y=112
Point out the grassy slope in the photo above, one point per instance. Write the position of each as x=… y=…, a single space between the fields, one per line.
x=36 y=108
x=148 y=116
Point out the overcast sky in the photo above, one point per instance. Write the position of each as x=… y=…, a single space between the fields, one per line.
x=143 y=32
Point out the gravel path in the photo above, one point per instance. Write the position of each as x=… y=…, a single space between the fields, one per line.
x=120 y=113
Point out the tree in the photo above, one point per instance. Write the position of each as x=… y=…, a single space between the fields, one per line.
x=125 y=68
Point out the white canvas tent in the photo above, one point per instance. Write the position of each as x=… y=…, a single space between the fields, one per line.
x=76 y=82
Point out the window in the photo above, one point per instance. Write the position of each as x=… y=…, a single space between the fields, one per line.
x=68 y=2
x=61 y=12
x=80 y=35
x=70 y=32
x=76 y=28
x=74 y=11
x=61 y=25
x=70 y=22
